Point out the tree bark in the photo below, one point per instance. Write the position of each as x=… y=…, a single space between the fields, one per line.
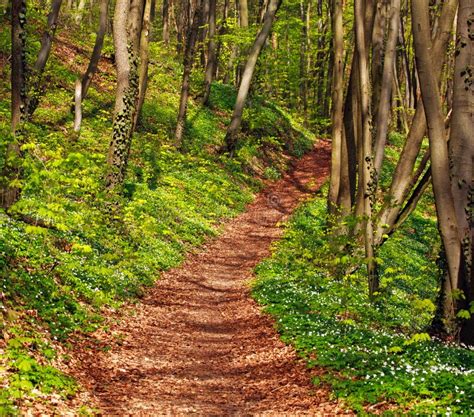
x=187 y=67
x=9 y=192
x=366 y=162
x=233 y=129
x=96 y=53
x=43 y=55
x=383 y=113
x=438 y=147
x=18 y=73
x=461 y=156
x=337 y=105
x=402 y=178
x=127 y=86
x=212 y=57
x=77 y=106
x=144 y=59
x=166 y=22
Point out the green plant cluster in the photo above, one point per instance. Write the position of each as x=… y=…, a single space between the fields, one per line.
x=375 y=353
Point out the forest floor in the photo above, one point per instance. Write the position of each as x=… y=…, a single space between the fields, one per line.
x=197 y=343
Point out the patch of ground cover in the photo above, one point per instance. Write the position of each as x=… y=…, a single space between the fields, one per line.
x=378 y=356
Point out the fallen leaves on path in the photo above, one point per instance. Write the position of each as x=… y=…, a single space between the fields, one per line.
x=197 y=343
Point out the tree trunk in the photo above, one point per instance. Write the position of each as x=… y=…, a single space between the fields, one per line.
x=77 y=106
x=461 y=156
x=233 y=129
x=438 y=147
x=337 y=104
x=43 y=55
x=9 y=192
x=144 y=60
x=166 y=22
x=187 y=67
x=127 y=85
x=18 y=73
x=366 y=142
x=402 y=178
x=378 y=38
x=212 y=57
x=244 y=24
x=96 y=53
x=383 y=113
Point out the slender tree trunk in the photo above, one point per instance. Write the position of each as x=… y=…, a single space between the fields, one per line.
x=80 y=11
x=166 y=22
x=134 y=26
x=187 y=64
x=244 y=24
x=212 y=57
x=77 y=106
x=96 y=53
x=366 y=142
x=222 y=30
x=438 y=147
x=378 y=38
x=337 y=104
x=9 y=192
x=43 y=55
x=461 y=156
x=383 y=113
x=303 y=87
x=144 y=59
x=233 y=129
x=18 y=73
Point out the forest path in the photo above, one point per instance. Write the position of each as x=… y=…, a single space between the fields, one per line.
x=198 y=344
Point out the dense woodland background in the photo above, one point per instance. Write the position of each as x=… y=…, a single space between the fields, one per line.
x=131 y=128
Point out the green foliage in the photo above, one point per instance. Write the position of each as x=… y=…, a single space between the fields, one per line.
x=25 y=376
x=376 y=352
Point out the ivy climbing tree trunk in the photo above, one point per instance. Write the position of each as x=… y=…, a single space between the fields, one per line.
x=461 y=158
x=233 y=129
x=9 y=191
x=18 y=73
x=127 y=87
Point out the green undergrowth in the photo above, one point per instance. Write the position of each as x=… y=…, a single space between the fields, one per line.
x=376 y=353
x=67 y=251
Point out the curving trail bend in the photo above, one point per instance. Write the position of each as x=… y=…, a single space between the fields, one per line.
x=198 y=344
